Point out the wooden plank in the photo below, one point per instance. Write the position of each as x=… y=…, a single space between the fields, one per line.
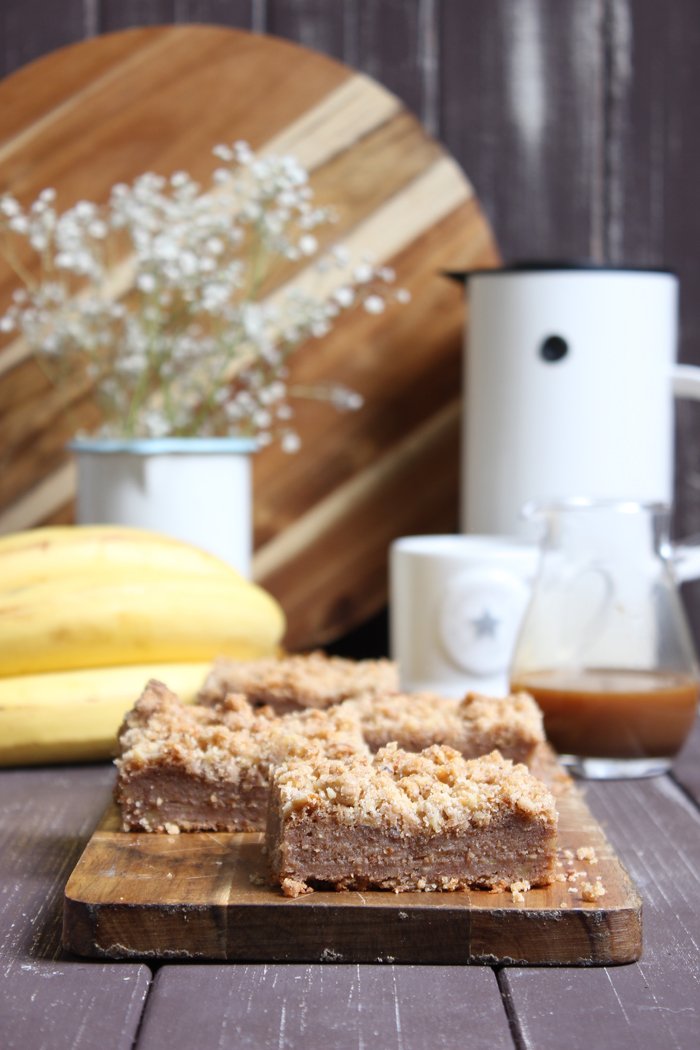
x=317 y=1007
x=26 y=32
x=49 y=1001
x=652 y=171
x=122 y=14
x=656 y=1002
x=394 y=42
x=243 y=14
x=329 y=28
x=46 y=818
x=686 y=768
x=204 y=895
x=521 y=88
x=395 y=45
x=71 y=1006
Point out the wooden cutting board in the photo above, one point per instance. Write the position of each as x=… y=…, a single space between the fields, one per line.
x=159 y=99
x=204 y=896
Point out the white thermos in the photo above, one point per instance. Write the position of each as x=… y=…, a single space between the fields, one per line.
x=569 y=376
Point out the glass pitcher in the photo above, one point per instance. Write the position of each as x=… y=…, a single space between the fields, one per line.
x=604 y=646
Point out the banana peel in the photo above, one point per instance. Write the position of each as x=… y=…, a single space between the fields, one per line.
x=74 y=716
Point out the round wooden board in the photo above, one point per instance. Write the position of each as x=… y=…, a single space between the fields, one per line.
x=158 y=99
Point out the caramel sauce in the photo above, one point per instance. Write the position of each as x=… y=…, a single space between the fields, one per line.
x=598 y=713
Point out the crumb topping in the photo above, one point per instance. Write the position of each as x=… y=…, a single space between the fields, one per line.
x=224 y=743
x=436 y=789
x=308 y=680
x=475 y=723
x=518 y=712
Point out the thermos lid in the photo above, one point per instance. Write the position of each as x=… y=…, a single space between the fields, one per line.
x=554 y=266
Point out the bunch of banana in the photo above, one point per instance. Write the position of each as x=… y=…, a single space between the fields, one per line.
x=89 y=613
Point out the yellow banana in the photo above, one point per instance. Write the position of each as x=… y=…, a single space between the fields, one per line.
x=93 y=621
x=71 y=716
x=67 y=551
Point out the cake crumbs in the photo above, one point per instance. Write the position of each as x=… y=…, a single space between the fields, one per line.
x=592 y=891
x=587 y=853
x=518 y=890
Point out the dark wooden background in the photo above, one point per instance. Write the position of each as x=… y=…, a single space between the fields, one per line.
x=576 y=120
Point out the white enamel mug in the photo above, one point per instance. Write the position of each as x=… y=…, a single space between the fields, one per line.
x=196 y=489
x=456 y=606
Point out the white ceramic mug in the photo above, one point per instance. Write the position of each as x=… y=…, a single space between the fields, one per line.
x=456 y=605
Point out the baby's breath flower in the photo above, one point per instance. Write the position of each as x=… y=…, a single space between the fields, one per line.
x=374 y=304
x=308 y=245
x=344 y=296
x=291 y=442
x=146 y=282
x=191 y=347
x=19 y=224
x=363 y=273
x=9 y=207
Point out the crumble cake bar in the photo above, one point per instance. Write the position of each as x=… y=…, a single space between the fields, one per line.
x=184 y=767
x=473 y=726
x=291 y=683
x=403 y=821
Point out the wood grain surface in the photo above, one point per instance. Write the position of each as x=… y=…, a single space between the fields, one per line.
x=159 y=99
x=343 y=1007
x=49 y=1002
x=205 y=895
x=58 y=1002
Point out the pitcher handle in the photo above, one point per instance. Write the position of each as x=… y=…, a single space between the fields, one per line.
x=685 y=380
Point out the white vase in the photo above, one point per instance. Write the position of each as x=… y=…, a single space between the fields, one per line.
x=195 y=489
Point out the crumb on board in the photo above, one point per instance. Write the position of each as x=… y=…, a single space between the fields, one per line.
x=592 y=891
x=518 y=890
x=587 y=853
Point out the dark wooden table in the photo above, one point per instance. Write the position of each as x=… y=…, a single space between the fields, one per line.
x=49 y=999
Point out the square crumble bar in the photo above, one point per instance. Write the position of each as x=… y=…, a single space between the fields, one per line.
x=292 y=683
x=403 y=821
x=475 y=725
x=184 y=767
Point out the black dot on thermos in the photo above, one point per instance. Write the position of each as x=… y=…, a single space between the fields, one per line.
x=554 y=348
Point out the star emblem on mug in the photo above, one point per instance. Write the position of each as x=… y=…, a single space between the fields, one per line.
x=485 y=625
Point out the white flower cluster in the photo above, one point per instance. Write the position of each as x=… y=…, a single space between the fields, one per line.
x=200 y=340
